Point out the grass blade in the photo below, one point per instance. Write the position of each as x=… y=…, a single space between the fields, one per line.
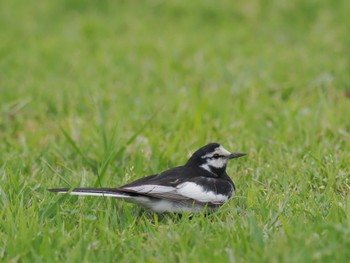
x=115 y=155
x=72 y=143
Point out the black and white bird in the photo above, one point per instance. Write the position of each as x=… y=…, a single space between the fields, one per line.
x=201 y=183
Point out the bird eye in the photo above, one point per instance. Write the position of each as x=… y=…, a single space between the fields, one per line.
x=216 y=155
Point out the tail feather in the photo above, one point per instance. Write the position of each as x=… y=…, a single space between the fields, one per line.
x=113 y=192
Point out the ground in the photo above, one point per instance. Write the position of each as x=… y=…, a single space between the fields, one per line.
x=99 y=93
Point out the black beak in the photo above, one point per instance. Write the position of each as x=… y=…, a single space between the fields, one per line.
x=236 y=155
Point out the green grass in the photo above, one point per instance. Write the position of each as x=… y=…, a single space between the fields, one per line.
x=105 y=92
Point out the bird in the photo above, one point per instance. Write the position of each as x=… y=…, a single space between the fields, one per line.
x=201 y=184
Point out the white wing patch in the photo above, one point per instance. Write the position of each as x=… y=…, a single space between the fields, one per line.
x=196 y=192
x=187 y=190
x=150 y=189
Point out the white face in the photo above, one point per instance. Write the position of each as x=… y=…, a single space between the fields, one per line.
x=218 y=158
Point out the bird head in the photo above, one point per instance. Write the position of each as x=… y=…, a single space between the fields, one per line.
x=213 y=158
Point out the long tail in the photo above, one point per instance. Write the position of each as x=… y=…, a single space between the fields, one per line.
x=113 y=192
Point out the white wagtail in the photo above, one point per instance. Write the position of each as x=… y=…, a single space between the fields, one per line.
x=201 y=183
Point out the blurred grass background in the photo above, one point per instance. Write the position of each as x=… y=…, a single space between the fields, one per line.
x=120 y=89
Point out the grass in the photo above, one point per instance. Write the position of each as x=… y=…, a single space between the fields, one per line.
x=104 y=92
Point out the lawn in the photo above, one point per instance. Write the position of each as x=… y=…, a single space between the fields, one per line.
x=99 y=93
